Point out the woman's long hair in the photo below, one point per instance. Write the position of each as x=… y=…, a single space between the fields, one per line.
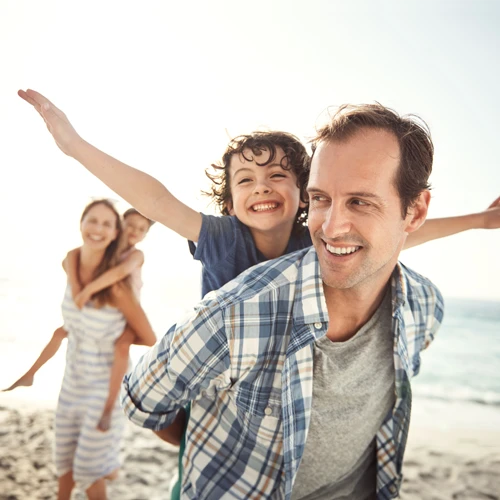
x=111 y=254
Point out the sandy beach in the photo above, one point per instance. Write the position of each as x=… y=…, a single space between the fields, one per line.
x=440 y=463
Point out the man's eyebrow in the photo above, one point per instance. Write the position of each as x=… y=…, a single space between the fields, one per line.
x=365 y=194
x=359 y=194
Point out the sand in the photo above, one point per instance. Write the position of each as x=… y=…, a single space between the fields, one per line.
x=453 y=463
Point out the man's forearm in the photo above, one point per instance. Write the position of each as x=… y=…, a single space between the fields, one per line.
x=173 y=433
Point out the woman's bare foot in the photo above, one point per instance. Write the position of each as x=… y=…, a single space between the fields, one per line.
x=105 y=421
x=24 y=381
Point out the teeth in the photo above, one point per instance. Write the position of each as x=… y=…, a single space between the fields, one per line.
x=95 y=238
x=264 y=206
x=341 y=250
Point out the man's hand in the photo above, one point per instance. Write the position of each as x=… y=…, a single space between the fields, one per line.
x=58 y=124
x=492 y=215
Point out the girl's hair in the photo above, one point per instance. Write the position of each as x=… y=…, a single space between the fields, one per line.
x=133 y=211
x=250 y=147
x=111 y=254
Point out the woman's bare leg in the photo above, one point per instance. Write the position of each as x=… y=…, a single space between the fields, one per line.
x=97 y=490
x=48 y=352
x=65 y=486
x=118 y=371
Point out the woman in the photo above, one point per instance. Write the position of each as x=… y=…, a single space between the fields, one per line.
x=85 y=455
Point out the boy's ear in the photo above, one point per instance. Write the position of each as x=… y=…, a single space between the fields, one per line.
x=417 y=213
x=229 y=207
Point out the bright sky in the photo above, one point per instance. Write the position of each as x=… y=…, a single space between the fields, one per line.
x=160 y=84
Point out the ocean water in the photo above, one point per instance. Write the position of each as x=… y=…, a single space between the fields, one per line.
x=462 y=365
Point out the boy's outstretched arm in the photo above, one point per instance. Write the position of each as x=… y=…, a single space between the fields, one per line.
x=434 y=229
x=143 y=192
x=134 y=261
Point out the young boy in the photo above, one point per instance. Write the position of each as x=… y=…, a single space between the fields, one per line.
x=259 y=186
x=135 y=229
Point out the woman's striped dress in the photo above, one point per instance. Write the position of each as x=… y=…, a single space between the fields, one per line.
x=80 y=447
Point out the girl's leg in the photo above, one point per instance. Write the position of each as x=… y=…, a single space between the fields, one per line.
x=118 y=371
x=65 y=486
x=48 y=352
x=97 y=490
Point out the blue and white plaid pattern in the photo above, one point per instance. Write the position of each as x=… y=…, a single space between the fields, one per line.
x=244 y=359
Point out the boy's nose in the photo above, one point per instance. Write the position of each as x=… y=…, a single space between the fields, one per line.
x=262 y=188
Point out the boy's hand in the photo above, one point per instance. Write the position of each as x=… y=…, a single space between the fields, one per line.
x=58 y=124
x=492 y=215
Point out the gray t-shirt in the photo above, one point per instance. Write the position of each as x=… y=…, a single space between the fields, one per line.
x=353 y=391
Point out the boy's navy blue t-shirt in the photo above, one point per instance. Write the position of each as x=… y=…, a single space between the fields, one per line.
x=226 y=249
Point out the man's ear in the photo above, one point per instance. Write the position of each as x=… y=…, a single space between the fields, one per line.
x=417 y=213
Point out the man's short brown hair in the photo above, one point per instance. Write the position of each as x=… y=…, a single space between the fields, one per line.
x=413 y=136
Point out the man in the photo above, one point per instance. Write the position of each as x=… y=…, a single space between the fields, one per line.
x=298 y=371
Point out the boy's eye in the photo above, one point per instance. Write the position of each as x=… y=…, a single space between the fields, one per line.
x=241 y=181
x=277 y=175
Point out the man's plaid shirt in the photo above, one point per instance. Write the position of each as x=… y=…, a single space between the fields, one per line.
x=244 y=359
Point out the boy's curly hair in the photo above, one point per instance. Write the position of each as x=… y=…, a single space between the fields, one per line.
x=295 y=159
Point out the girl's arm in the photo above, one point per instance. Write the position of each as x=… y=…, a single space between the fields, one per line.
x=434 y=229
x=124 y=299
x=134 y=261
x=142 y=191
x=48 y=352
x=70 y=265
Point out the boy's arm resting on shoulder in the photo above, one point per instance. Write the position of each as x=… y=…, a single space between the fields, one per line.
x=70 y=265
x=145 y=193
x=433 y=229
x=190 y=357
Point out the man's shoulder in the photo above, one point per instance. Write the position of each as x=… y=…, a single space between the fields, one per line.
x=423 y=305
x=418 y=288
x=264 y=278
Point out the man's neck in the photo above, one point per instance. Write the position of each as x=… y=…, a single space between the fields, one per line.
x=272 y=244
x=350 y=309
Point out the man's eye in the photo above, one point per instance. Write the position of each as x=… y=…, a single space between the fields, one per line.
x=360 y=203
x=317 y=198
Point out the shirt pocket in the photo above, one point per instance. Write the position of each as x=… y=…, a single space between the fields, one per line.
x=259 y=412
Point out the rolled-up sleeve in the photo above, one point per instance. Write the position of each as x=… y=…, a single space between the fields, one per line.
x=192 y=355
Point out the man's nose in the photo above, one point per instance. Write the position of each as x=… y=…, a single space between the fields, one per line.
x=337 y=222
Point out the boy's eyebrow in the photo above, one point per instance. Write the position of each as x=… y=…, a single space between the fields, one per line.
x=245 y=169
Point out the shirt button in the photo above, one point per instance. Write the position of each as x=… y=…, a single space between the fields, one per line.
x=318 y=325
x=268 y=411
x=393 y=488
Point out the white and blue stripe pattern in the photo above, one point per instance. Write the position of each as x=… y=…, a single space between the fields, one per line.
x=80 y=447
x=244 y=359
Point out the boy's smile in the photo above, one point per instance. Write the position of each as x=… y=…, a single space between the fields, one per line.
x=264 y=197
